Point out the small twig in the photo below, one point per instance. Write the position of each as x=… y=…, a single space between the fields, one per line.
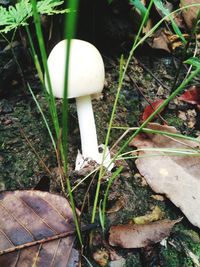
x=48 y=239
x=119 y=139
x=138 y=88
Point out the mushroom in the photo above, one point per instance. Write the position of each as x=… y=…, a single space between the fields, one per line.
x=86 y=77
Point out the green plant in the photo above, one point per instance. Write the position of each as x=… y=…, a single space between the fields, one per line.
x=16 y=16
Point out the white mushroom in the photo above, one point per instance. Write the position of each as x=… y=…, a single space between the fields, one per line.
x=86 y=77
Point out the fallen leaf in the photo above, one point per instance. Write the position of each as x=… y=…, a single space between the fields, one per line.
x=175 y=176
x=137 y=236
x=151 y=108
x=155 y=215
x=36 y=228
x=190 y=14
x=160 y=41
x=192 y=95
x=166 y=40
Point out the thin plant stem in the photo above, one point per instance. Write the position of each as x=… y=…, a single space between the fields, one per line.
x=123 y=70
x=70 y=28
x=35 y=56
x=147 y=130
x=69 y=34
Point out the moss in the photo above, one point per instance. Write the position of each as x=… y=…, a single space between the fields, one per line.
x=174 y=120
x=133 y=260
x=170 y=257
x=177 y=256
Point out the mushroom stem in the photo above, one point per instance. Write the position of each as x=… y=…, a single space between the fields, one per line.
x=89 y=143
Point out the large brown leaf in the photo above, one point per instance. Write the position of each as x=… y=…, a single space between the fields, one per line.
x=28 y=219
x=178 y=177
x=140 y=235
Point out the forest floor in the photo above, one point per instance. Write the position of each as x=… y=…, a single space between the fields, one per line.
x=24 y=142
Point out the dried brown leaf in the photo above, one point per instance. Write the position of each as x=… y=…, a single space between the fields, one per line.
x=175 y=176
x=36 y=229
x=190 y=14
x=137 y=236
x=160 y=41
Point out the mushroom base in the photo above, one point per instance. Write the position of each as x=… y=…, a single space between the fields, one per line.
x=82 y=162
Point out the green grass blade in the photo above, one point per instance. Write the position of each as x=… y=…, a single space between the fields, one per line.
x=70 y=26
x=52 y=103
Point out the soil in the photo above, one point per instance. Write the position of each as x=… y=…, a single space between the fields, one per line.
x=26 y=145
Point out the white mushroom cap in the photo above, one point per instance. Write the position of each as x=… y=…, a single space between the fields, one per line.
x=86 y=69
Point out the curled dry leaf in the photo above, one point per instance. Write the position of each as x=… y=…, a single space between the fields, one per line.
x=137 y=236
x=160 y=41
x=36 y=229
x=175 y=176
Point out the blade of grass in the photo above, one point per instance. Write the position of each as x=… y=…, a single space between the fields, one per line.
x=35 y=56
x=146 y=130
x=70 y=26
